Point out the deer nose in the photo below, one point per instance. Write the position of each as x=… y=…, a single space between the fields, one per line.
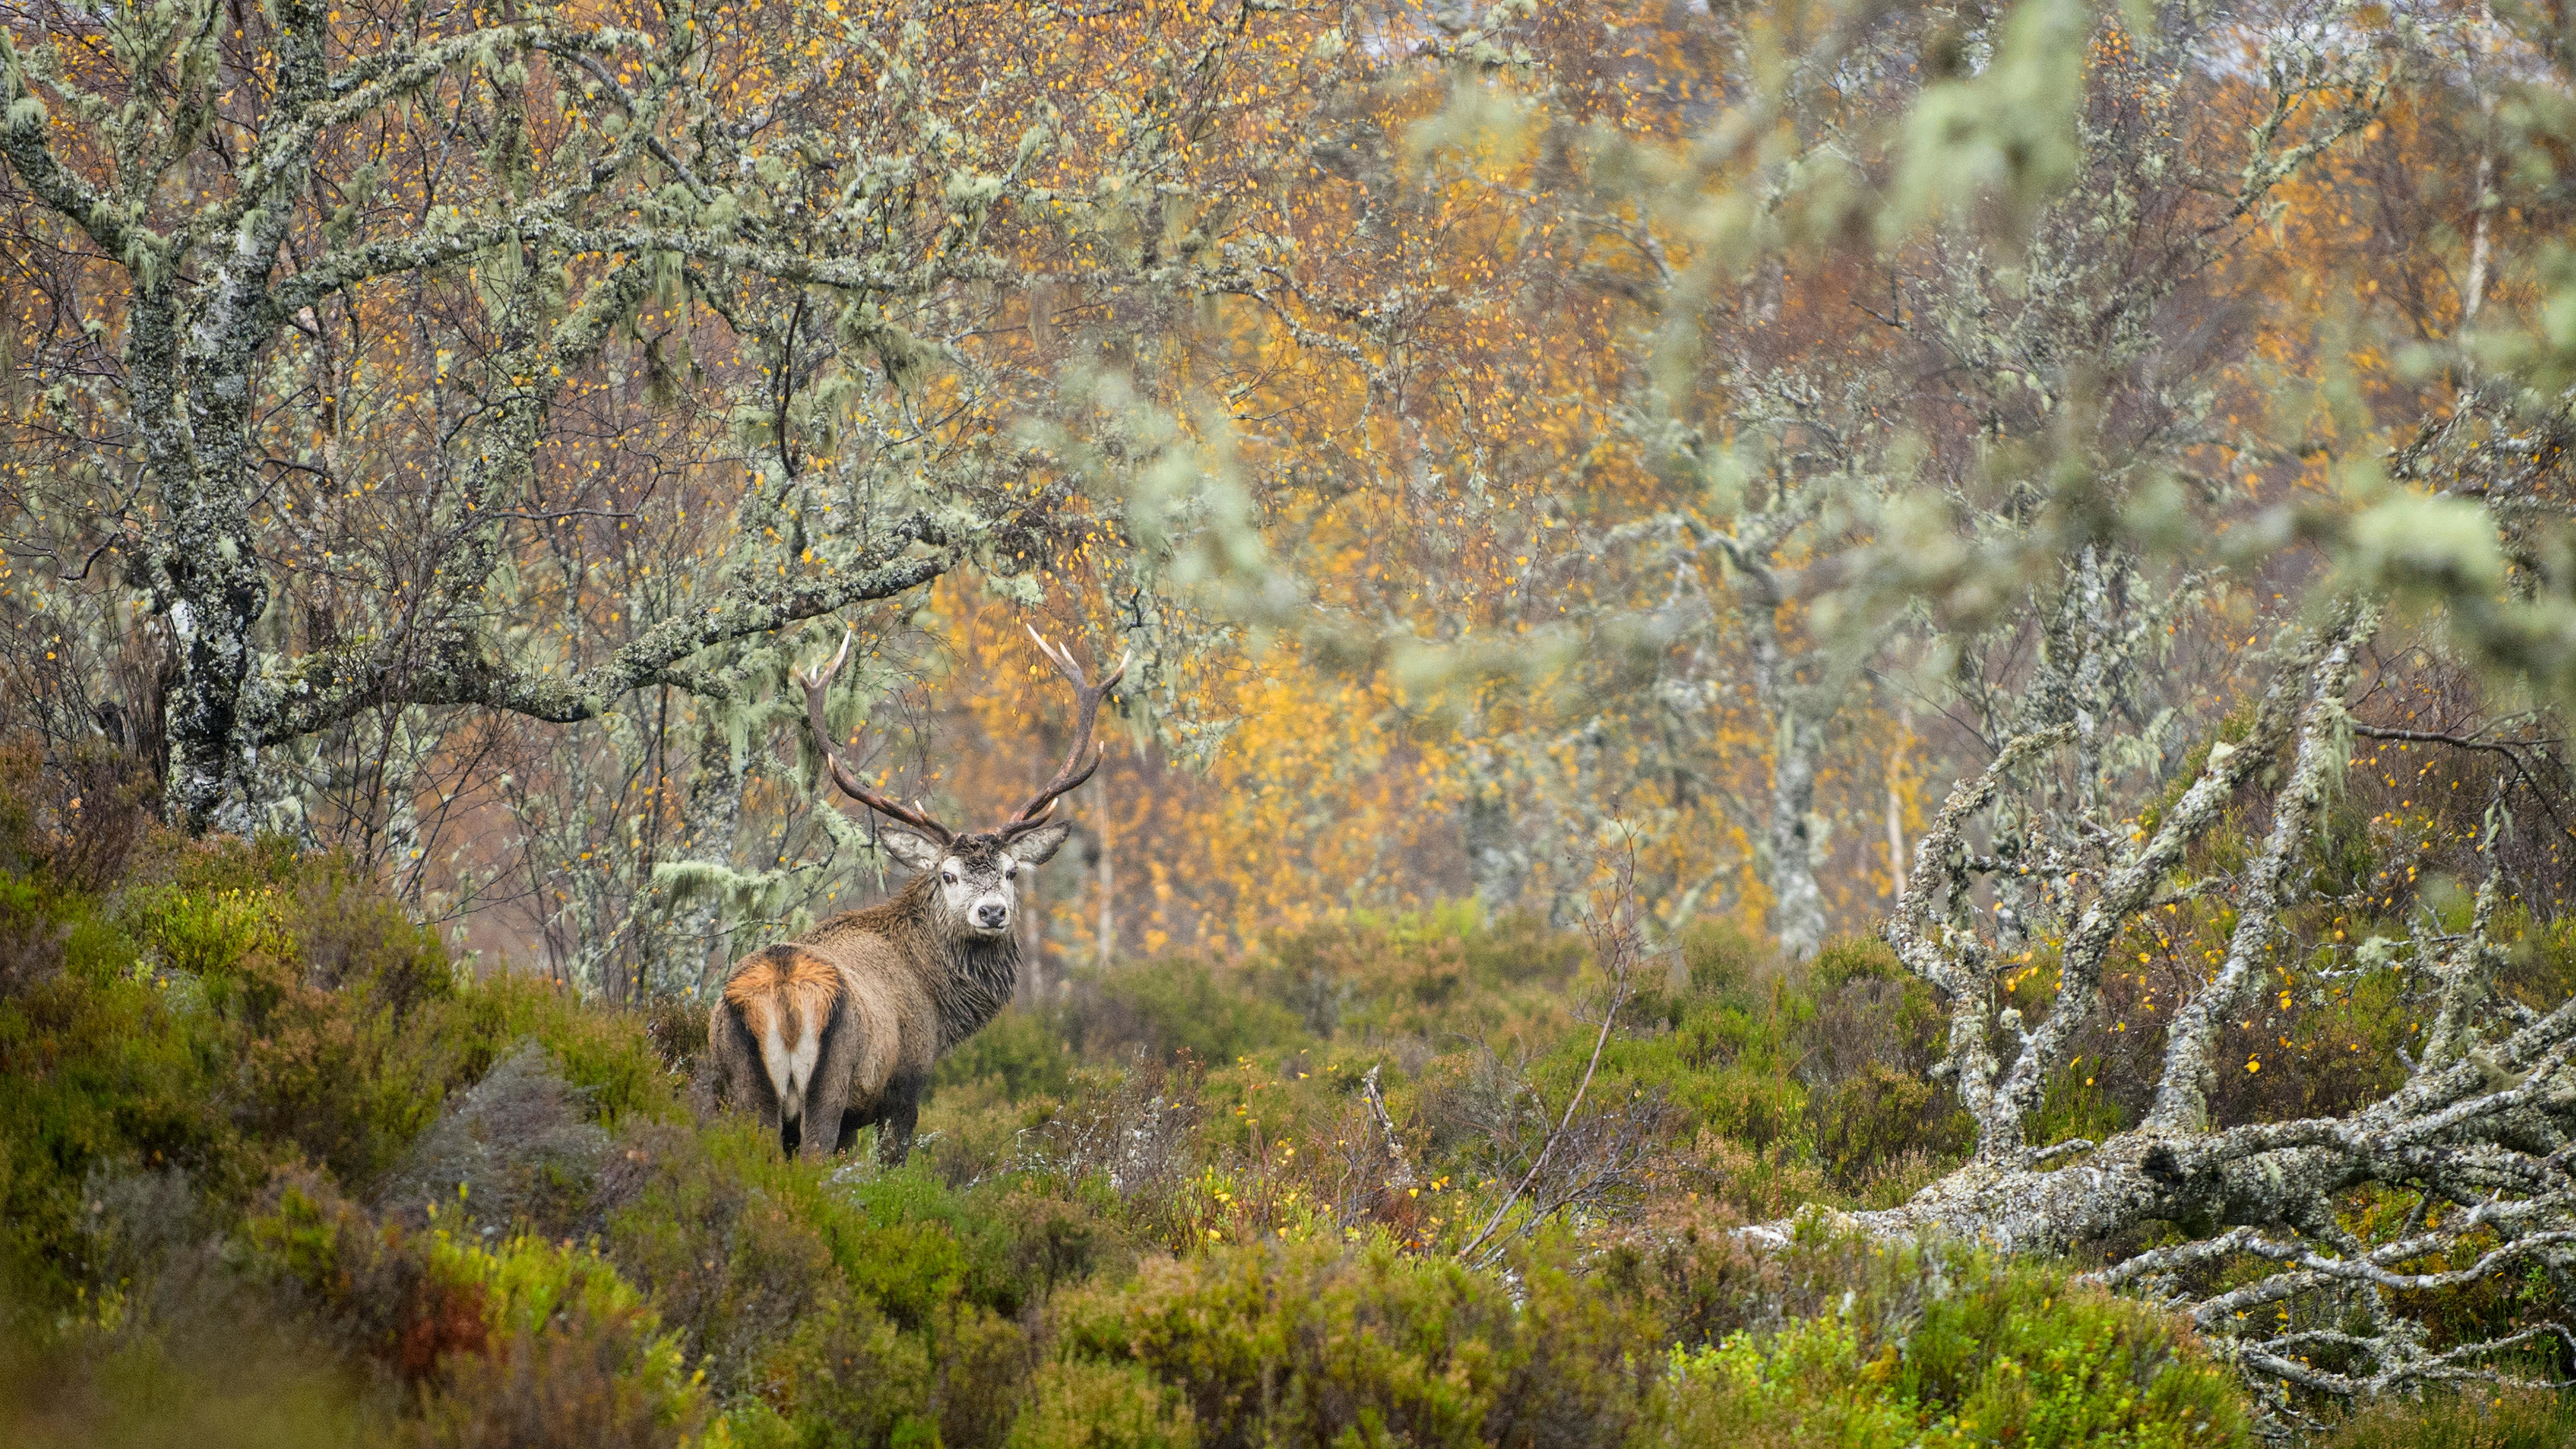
x=992 y=917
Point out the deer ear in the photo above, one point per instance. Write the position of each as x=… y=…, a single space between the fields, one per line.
x=1034 y=847
x=919 y=852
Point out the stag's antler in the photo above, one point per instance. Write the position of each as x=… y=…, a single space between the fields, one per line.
x=1076 y=769
x=841 y=775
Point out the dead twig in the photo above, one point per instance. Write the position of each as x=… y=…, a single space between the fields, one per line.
x=1404 y=1175
x=1616 y=940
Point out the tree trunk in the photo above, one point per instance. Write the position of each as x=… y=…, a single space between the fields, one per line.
x=1108 y=942
x=1791 y=840
x=1896 y=803
x=696 y=951
x=1797 y=901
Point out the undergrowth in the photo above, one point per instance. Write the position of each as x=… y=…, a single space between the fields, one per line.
x=275 y=1172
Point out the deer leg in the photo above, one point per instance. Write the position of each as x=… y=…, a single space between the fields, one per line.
x=743 y=1082
x=827 y=1094
x=902 y=1109
x=764 y=1105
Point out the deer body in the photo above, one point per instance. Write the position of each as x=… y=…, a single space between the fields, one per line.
x=840 y=1028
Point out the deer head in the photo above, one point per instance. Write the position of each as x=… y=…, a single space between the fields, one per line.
x=977 y=889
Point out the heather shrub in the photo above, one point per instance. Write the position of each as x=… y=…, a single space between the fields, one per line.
x=735 y=1245
x=243 y=1383
x=677 y=1028
x=1700 y=1284
x=77 y=822
x=1082 y=1404
x=515 y=1149
x=1132 y=1138
x=1865 y=1056
x=573 y=1355
x=520 y=1342
x=584 y=1383
x=981 y=1363
x=2463 y=1417
x=603 y=1054
x=998 y=1091
x=1178 y=1006
x=1948 y=1346
x=1448 y=969
x=103 y=1070
x=1024 y=1053
x=226 y=1018
x=762 y=1265
x=44 y=932
x=1303 y=1343
x=842 y=1374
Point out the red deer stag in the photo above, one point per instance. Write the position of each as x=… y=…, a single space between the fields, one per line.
x=840 y=1027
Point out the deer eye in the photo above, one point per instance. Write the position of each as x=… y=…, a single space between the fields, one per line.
x=949 y=876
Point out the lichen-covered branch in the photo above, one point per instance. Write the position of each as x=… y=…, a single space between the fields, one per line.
x=451 y=667
x=2182 y=1094
x=584 y=202
x=2482 y=1134
x=1955 y=961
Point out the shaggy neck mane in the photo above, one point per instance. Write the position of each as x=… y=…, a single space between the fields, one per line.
x=979 y=972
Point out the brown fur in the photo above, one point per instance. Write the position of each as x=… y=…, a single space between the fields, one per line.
x=785 y=987
x=893 y=986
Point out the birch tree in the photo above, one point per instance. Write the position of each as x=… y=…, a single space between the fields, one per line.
x=513 y=362
x=2073 y=845
x=2029 y=443
x=1833 y=345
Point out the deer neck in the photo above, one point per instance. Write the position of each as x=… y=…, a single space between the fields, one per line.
x=980 y=977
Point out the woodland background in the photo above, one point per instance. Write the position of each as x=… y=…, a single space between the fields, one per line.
x=1588 y=492
x=1431 y=398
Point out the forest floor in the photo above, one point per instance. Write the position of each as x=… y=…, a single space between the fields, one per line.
x=274 y=1171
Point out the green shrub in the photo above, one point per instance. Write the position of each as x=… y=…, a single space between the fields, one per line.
x=1442 y=970
x=1700 y=1285
x=572 y=1355
x=224 y=1024
x=1024 y=1052
x=100 y=1070
x=528 y=1342
x=849 y=1301
x=1177 y=1006
x=1079 y=1404
x=1306 y=1343
x=585 y=1383
x=2468 y=1417
x=603 y=1053
x=844 y=1374
x=1815 y=1073
x=734 y=1245
x=1949 y=1347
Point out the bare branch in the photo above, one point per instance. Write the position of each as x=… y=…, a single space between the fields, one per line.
x=2182 y=1094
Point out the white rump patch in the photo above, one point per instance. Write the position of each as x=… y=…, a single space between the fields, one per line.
x=791 y=1069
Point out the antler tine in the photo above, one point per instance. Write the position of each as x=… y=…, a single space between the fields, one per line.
x=815 y=688
x=1062 y=659
x=1075 y=770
